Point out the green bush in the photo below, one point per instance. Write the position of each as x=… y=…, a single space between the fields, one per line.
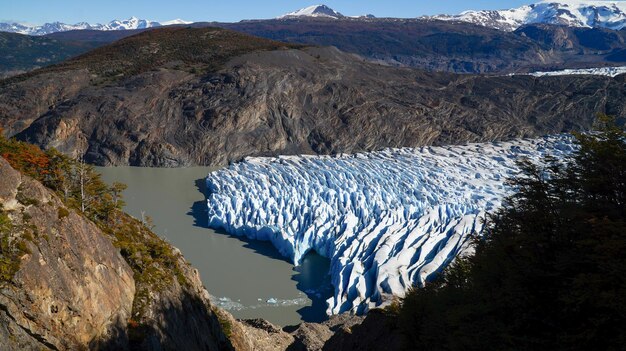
x=62 y=213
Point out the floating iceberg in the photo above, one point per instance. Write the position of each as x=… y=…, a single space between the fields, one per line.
x=387 y=220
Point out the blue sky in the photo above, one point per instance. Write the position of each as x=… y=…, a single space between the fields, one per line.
x=71 y=11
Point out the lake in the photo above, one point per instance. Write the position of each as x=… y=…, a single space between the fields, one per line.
x=247 y=278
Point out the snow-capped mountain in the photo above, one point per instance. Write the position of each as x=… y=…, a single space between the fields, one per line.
x=574 y=13
x=48 y=28
x=386 y=220
x=313 y=11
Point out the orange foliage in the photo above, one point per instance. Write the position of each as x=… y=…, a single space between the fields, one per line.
x=26 y=158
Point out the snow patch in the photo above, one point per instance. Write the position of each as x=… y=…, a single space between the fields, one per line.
x=600 y=71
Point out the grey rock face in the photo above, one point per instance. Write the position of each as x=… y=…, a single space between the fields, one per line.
x=73 y=289
x=315 y=100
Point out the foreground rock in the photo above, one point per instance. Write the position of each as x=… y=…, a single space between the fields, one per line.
x=66 y=294
x=73 y=290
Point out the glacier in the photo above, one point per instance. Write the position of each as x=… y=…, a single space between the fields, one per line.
x=387 y=220
x=598 y=71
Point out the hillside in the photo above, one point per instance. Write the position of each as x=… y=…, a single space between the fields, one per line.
x=77 y=273
x=183 y=47
x=450 y=46
x=420 y=43
x=193 y=96
x=20 y=53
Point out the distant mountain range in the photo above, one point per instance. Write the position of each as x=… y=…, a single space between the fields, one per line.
x=49 y=28
x=572 y=13
x=454 y=44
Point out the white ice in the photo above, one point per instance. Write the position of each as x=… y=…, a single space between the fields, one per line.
x=599 y=71
x=387 y=220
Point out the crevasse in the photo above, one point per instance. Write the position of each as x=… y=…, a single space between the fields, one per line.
x=387 y=220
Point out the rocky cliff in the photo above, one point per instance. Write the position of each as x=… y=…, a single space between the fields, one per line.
x=65 y=285
x=66 y=294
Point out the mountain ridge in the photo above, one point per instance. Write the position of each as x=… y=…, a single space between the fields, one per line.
x=55 y=27
x=181 y=107
x=572 y=13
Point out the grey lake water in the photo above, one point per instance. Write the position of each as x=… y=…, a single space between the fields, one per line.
x=247 y=278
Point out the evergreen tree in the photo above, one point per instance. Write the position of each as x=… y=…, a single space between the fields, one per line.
x=549 y=272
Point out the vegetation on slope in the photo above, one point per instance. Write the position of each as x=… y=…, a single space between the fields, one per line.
x=550 y=271
x=196 y=50
x=81 y=188
x=23 y=53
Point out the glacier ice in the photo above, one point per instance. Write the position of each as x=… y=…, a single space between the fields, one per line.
x=599 y=71
x=387 y=220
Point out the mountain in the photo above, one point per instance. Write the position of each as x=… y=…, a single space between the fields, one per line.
x=21 y=53
x=205 y=96
x=314 y=11
x=451 y=46
x=48 y=28
x=420 y=43
x=573 y=13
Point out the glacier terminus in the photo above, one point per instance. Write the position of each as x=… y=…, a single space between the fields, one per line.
x=387 y=220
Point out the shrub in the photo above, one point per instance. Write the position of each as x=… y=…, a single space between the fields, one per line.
x=62 y=213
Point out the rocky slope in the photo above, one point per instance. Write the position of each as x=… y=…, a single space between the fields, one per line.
x=148 y=101
x=65 y=286
x=65 y=294
x=449 y=46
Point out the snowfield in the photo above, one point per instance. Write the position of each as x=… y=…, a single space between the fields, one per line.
x=387 y=220
x=600 y=71
x=573 y=13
